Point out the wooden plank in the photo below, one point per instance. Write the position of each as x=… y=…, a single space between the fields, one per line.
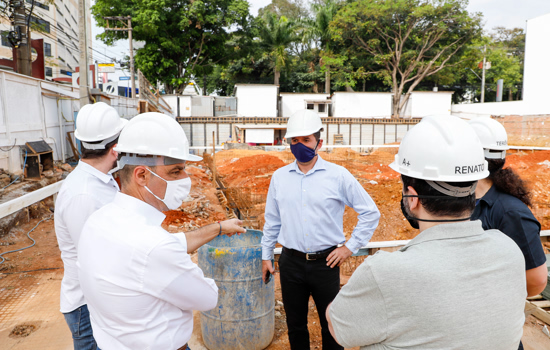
x=70 y=139
x=24 y=201
x=536 y=311
x=541 y=303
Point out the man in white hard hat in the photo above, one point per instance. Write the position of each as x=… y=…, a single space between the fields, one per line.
x=454 y=286
x=86 y=189
x=139 y=280
x=503 y=200
x=304 y=212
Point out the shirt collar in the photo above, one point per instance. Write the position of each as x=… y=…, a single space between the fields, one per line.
x=93 y=171
x=491 y=196
x=447 y=231
x=151 y=215
x=320 y=164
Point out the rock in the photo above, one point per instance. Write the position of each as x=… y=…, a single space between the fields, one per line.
x=4 y=176
x=372 y=182
x=278 y=314
x=48 y=173
x=280 y=303
x=5 y=181
x=67 y=167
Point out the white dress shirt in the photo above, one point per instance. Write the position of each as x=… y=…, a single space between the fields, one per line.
x=84 y=191
x=306 y=211
x=140 y=284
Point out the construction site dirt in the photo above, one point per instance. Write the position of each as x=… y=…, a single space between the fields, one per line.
x=29 y=280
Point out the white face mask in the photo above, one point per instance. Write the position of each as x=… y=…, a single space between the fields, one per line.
x=176 y=191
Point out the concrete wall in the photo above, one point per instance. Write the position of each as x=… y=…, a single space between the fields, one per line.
x=537 y=51
x=361 y=104
x=426 y=103
x=33 y=110
x=293 y=102
x=257 y=100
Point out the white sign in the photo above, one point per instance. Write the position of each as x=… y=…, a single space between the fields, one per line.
x=106 y=67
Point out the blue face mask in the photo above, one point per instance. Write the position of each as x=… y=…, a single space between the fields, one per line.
x=303 y=153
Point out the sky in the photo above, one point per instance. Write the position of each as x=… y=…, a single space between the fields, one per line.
x=507 y=13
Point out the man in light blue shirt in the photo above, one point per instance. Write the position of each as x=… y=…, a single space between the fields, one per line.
x=304 y=212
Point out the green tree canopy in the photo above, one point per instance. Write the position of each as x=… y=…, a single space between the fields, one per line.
x=404 y=41
x=179 y=36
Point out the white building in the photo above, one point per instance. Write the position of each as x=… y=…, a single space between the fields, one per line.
x=59 y=24
x=361 y=104
x=293 y=102
x=257 y=100
x=536 y=76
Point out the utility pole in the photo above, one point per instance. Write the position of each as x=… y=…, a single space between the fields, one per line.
x=83 y=46
x=22 y=49
x=129 y=30
x=483 y=74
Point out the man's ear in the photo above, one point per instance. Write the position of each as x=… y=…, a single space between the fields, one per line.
x=320 y=144
x=141 y=175
x=414 y=202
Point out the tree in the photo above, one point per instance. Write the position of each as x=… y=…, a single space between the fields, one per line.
x=405 y=41
x=179 y=35
x=276 y=34
x=319 y=27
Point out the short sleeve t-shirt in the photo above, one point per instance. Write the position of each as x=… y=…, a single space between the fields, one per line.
x=506 y=213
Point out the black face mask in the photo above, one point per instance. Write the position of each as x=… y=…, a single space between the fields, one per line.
x=412 y=221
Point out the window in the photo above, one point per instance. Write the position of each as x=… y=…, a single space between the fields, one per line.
x=68 y=65
x=39 y=4
x=58 y=10
x=309 y=106
x=61 y=42
x=68 y=11
x=74 y=19
x=322 y=108
x=61 y=58
x=5 y=41
x=41 y=24
x=47 y=50
x=49 y=72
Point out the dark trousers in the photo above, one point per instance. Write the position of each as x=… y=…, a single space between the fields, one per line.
x=300 y=279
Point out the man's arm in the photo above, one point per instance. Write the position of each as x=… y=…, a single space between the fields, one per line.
x=197 y=238
x=357 y=316
x=536 y=280
x=170 y=275
x=271 y=230
x=355 y=197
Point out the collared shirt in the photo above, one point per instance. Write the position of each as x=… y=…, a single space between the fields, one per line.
x=84 y=191
x=501 y=211
x=454 y=286
x=140 y=284
x=305 y=211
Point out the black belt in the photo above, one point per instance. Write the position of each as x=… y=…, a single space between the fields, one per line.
x=309 y=256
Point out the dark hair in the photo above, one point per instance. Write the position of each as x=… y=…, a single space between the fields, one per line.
x=97 y=153
x=508 y=181
x=451 y=206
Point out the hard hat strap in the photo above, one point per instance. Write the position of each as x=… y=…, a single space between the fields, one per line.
x=494 y=154
x=100 y=145
x=149 y=160
x=451 y=190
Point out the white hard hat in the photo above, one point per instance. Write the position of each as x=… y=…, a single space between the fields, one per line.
x=98 y=122
x=492 y=135
x=303 y=123
x=154 y=134
x=441 y=148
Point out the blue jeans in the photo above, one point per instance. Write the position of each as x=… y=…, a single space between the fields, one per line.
x=81 y=328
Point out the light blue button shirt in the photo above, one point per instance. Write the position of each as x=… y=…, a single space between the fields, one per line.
x=305 y=211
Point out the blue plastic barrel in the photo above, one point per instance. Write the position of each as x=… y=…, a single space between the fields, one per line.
x=244 y=318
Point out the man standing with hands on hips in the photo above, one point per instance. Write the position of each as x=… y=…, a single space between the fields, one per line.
x=304 y=212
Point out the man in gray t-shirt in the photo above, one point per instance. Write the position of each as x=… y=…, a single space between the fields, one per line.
x=454 y=286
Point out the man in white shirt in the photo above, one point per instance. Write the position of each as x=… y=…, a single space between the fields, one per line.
x=139 y=281
x=86 y=189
